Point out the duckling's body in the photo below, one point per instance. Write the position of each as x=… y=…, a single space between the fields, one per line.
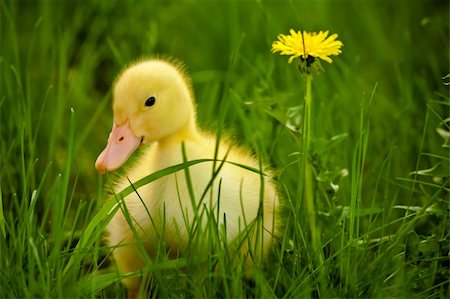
x=153 y=103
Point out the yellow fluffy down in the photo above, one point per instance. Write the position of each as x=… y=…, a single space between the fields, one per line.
x=245 y=201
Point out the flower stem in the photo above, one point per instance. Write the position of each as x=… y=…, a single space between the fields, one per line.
x=308 y=187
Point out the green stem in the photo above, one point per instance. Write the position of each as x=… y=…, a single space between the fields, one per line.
x=309 y=185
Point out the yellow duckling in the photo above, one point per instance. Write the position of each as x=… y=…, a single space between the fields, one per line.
x=153 y=103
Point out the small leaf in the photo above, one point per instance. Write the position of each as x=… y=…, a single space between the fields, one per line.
x=425 y=171
x=445 y=135
x=433 y=209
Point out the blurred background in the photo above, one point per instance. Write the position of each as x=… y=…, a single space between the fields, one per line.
x=58 y=55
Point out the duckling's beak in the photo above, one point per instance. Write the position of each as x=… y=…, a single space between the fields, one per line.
x=121 y=144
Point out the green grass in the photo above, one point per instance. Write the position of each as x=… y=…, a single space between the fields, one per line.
x=381 y=187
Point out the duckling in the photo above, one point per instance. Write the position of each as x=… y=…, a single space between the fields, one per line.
x=153 y=103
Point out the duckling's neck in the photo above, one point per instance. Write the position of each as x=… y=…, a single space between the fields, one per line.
x=186 y=133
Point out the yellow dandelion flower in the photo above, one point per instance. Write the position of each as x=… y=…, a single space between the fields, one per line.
x=317 y=45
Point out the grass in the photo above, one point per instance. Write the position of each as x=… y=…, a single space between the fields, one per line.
x=379 y=116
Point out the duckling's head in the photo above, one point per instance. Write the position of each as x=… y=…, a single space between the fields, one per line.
x=152 y=100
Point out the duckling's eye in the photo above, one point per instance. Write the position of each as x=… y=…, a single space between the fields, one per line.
x=150 y=101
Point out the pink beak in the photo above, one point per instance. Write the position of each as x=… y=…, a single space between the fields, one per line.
x=121 y=144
